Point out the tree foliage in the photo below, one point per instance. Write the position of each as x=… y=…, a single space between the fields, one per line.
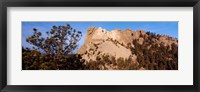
x=53 y=51
x=60 y=40
x=158 y=56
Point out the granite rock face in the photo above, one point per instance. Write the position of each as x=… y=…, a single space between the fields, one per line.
x=118 y=43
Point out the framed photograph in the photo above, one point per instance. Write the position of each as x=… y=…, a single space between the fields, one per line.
x=105 y=45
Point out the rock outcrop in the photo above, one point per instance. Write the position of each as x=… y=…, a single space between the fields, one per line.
x=120 y=43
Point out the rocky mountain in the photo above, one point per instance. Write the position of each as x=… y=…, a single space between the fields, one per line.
x=129 y=49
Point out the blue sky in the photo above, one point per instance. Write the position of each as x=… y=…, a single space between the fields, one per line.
x=167 y=28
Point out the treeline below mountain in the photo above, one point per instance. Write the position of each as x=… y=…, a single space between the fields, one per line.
x=153 y=56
